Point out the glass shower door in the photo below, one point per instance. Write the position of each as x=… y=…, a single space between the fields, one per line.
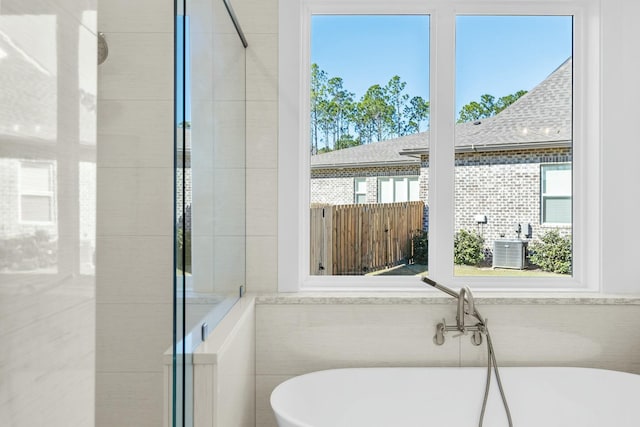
x=209 y=181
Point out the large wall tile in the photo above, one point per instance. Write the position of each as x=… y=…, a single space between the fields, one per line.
x=264 y=387
x=229 y=68
x=135 y=201
x=262 y=68
x=129 y=399
x=133 y=337
x=135 y=269
x=228 y=264
x=135 y=58
x=124 y=16
x=236 y=377
x=296 y=339
x=136 y=133
x=229 y=134
x=262 y=201
x=229 y=202
x=262 y=264
x=262 y=134
x=257 y=16
x=595 y=336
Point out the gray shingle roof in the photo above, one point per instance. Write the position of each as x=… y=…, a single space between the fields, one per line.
x=542 y=117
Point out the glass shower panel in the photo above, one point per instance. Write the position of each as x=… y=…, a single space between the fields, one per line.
x=209 y=181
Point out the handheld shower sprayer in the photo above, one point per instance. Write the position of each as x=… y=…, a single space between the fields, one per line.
x=440 y=287
x=478 y=329
x=465 y=294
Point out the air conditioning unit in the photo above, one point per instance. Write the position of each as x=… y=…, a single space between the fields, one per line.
x=510 y=253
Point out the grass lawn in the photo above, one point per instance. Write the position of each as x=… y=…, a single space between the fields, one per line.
x=464 y=270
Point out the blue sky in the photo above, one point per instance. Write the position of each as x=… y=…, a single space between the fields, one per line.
x=498 y=55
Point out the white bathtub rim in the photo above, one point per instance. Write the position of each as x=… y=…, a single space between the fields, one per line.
x=295 y=421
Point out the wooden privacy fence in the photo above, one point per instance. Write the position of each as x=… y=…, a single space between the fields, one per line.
x=358 y=239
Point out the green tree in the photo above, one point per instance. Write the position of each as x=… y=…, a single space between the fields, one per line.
x=340 y=108
x=487 y=107
x=346 y=141
x=417 y=112
x=397 y=99
x=318 y=103
x=375 y=115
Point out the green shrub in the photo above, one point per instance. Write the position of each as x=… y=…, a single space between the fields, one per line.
x=552 y=253
x=183 y=253
x=468 y=248
x=420 y=244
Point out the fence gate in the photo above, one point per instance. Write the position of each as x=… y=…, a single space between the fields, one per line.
x=358 y=239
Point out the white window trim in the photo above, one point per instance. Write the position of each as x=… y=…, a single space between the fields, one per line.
x=293 y=161
x=395 y=177
x=50 y=194
x=544 y=195
x=357 y=193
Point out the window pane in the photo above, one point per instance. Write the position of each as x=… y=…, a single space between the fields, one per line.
x=557 y=210
x=368 y=119
x=414 y=189
x=401 y=190
x=514 y=98
x=385 y=194
x=556 y=180
x=36 y=208
x=35 y=178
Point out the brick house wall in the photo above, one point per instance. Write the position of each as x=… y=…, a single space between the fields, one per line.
x=337 y=186
x=502 y=185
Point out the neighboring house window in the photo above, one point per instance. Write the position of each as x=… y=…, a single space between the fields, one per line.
x=398 y=189
x=360 y=190
x=36 y=192
x=555 y=206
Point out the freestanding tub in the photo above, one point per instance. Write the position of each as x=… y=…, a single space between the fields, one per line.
x=452 y=397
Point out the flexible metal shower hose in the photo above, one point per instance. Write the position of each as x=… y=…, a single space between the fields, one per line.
x=491 y=360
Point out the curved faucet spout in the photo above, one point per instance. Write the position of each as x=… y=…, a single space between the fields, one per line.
x=465 y=295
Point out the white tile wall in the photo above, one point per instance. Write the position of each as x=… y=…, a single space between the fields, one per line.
x=224 y=380
x=135 y=211
x=134 y=58
x=264 y=387
x=131 y=131
x=262 y=134
x=262 y=262
x=129 y=399
x=129 y=262
x=135 y=201
x=229 y=135
x=133 y=337
x=262 y=195
x=259 y=20
x=593 y=336
x=141 y=16
x=262 y=68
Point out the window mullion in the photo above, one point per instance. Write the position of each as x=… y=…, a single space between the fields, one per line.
x=441 y=147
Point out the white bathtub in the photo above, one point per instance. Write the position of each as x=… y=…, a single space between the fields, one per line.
x=452 y=397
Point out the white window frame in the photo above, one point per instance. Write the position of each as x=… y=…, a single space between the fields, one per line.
x=544 y=196
x=293 y=157
x=407 y=179
x=357 y=193
x=50 y=194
